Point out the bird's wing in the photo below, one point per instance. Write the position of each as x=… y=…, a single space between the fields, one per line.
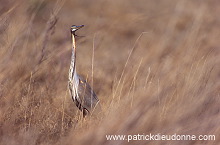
x=87 y=95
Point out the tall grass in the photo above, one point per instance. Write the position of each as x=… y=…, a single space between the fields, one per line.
x=153 y=64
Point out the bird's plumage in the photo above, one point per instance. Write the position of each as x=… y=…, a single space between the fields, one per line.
x=80 y=91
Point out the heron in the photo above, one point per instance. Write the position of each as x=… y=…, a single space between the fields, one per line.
x=80 y=91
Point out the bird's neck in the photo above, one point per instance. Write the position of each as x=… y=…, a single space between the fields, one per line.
x=72 y=71
x=73 y=41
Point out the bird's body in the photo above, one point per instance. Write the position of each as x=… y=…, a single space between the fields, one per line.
x=80 y=91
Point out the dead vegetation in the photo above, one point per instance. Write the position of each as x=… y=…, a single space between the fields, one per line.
x=155 y=68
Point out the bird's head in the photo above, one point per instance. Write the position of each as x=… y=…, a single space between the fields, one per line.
x=74 y=28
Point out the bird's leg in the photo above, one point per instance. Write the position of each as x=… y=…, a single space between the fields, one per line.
x=85 y=112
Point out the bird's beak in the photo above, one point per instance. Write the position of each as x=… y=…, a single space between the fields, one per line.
x=78 y=27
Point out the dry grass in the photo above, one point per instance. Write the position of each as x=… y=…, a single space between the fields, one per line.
x=154 y=66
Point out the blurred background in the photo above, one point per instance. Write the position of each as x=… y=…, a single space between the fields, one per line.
x=154 y=64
